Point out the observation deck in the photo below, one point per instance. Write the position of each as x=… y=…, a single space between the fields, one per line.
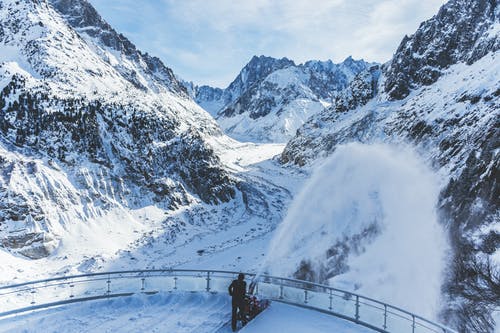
x=196 y=301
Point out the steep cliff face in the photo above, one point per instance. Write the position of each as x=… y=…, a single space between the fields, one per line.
x=439 y=93
x=93 y=124
x=271 y=110
x=209 y=98
x=327 y=78
x=142 y=70
x=462 y=31
x=334 y=125
x=215 y=100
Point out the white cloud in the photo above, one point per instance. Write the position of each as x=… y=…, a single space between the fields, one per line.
x=209 y=41
x=388 y=22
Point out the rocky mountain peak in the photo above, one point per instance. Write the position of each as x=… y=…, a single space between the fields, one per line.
x=85 y=19
x=462 y=31
x=214 y=100
x=328 y=78
x=257 y=69
x=271 y=97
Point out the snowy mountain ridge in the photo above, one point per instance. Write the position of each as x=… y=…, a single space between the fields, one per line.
x=462 y=31
x=92 y=132
x=439 y=94
x=108 y=163
x=271 y=98
x=142 y=70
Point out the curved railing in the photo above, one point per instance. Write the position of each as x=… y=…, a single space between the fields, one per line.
x=376 y=315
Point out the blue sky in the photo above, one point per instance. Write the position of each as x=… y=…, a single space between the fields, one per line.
x=209 y=41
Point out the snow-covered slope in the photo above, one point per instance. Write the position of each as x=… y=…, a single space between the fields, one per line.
x=440 y=94
x=95 y=135
x=108 y=163
x=273 y=109
x=271 y=98
x=142 y=70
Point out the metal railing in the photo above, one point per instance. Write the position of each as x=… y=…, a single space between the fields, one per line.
x=376 y=315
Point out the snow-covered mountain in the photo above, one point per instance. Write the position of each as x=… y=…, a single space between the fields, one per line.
x=214 y=100
x=141 y=70
x=271 y=98
x=92 y=129
x=439 y=93
x=104 y=152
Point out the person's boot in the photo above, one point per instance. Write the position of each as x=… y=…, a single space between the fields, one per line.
x=233 y=323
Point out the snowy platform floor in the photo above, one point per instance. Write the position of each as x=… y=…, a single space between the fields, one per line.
x=172 y=312
x=292 y=319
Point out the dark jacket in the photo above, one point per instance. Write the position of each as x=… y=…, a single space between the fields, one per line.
x=238 y=289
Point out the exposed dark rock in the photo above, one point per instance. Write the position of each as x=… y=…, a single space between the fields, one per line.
x=274 y=88
x=105 y=149
x=83 y=17
x=456 y=128
x=458 y=33
x=362 y=89
x=31 y=245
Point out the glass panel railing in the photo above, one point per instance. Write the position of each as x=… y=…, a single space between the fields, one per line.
x=125 y=284
x=294 y=295
x=398 y=321
x=372 y=312
x=424 y=327
x=14 y=299
x=317 y=299
x=93 y=286
x=220 y=283
x=157 y=283
x=268 y=290
x=51 y=292
x=341 y=303
x=190 y=283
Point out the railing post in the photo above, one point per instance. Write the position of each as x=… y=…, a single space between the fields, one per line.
x=385 y=316
x=357 y=308
x=109 y=285
x=32 y=288
x=331 y=300
x=33 y=291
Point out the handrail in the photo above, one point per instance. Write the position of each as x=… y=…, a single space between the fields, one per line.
x=272 y=287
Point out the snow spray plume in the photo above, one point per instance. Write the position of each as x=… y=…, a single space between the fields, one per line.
x=366 y=221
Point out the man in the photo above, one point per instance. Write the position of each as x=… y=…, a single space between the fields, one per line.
x=237 y=290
